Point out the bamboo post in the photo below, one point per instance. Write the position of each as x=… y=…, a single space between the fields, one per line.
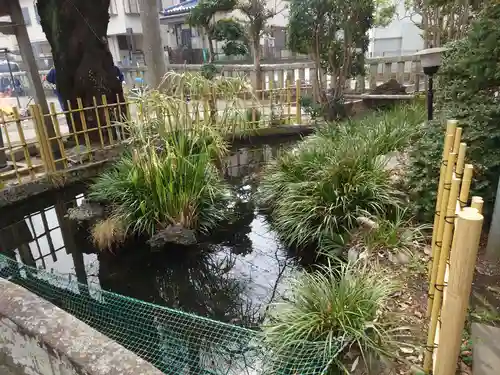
x=22 y=138
x=448 y=141
x=463 y=260
x=84 y=127
x=457 y=139
x=466 y=181
x=441 y=262
x=45 y=149
x=98 y=118
x=57 y=131
x=9 y=147
x=477 y=203
x=440 y=227
x=107 y=118
x=73 y=126
x=297 y=102
x=459 y=170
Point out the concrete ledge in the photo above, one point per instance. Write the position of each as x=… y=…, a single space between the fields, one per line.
x=38 y=338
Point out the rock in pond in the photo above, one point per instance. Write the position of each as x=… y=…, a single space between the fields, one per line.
x=87 y=211
x=176 y=234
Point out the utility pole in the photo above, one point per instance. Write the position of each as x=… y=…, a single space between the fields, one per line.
x=151 y=42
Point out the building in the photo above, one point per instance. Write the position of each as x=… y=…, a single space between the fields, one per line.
x=124 y=32
x=186 y=44
x=400 y=37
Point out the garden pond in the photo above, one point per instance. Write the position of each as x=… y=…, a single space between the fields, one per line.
x=231 y=277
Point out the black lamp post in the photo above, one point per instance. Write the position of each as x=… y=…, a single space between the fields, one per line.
x=430 y=59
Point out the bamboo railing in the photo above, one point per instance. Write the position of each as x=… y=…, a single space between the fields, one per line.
x=84 y=129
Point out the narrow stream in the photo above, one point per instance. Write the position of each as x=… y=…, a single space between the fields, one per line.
x=232 y=277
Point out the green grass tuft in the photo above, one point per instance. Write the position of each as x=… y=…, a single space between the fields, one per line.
x=316 y=191
x=175 y=184
x=330 y=311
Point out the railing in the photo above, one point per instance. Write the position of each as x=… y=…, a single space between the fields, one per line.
x=405 y=69
x=34 y=144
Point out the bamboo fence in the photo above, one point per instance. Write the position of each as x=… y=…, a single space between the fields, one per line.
x=83 y=130
x=455 y=242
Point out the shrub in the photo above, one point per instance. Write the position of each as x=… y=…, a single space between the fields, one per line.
x=468 y=83
x=316 y=191
x=330 y=311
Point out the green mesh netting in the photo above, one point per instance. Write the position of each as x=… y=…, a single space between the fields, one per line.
x=174 y=341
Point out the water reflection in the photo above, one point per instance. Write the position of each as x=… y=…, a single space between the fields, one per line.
x=238 y=272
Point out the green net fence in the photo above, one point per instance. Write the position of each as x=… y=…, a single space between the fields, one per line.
x=174 y=341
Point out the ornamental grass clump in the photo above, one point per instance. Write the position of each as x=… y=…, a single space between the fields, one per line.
x=316 y=191
x=337 y=308
x=169 y=176
x=154 y=189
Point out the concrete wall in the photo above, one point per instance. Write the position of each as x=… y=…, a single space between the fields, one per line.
x=401 y=27
x=37 y=338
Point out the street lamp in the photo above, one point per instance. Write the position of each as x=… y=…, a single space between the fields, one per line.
x=430 y=59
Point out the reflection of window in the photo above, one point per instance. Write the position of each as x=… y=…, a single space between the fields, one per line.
x=26 y=16
x=37 y=16
x=122 y=42
x=131 y=6
x=112 y=8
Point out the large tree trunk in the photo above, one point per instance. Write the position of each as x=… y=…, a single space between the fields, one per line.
x=76 y=31
x=256 y=63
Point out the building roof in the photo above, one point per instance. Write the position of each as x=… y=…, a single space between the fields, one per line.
x=181 y=8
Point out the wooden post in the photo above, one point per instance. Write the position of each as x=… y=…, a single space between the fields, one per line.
x=448 y=142
x=465 y=188
x=445 y=195
x=477 y=203
x=462 y=264
x=441 y=271
x=152 y=44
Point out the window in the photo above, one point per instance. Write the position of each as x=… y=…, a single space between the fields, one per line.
x=26 y=16
x=131 y=6
x=112 y=8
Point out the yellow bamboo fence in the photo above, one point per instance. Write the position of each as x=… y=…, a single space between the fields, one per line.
x=37 y=144
x=455 y=242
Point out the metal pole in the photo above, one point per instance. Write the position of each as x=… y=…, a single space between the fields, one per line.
x=430 y=98
x=6 y=51
x=3 y=156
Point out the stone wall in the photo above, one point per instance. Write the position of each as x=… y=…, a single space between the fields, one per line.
x=38 y=338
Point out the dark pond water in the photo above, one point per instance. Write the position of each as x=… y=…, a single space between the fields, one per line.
x=240 y=270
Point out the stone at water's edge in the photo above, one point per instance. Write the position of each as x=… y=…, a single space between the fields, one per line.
x=176 y=234
x=87 y=211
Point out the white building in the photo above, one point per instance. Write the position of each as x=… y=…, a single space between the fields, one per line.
x=124 y=31
x=187 y=43
x=400 y=37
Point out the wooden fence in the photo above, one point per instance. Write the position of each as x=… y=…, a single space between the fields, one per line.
x=455 y=243
x=405 y=69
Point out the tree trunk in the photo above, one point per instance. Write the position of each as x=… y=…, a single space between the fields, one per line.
x=256 y=63
x=211 y=52
x=76 y=31
x=153 y=54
